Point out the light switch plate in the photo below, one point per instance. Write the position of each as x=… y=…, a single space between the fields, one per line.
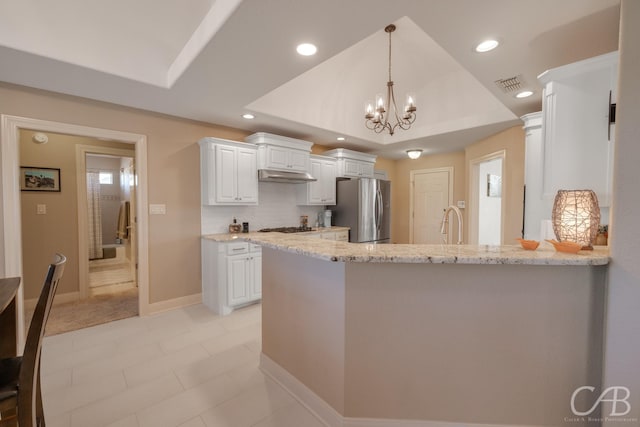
x=41 y=209
x=157 y=209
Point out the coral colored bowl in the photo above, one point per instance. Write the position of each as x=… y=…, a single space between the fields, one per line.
x=569 y=247
x=530 y=245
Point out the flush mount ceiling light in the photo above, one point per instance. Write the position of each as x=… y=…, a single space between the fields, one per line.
x=306 y=49
x=340 y=138
x=486 y=46
x=414 y=153
x=248 y=116
x=376 y=119
x=524 y=94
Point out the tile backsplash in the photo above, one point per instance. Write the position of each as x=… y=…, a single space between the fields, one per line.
x=277 y=208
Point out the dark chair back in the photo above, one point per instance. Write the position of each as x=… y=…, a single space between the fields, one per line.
x=29 y=393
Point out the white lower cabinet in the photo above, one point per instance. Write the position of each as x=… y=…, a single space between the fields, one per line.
x=231 y=275
x=342 y=236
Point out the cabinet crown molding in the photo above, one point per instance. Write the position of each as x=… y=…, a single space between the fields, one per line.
x=580 y=67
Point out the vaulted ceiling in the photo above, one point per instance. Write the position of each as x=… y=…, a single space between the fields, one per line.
x=213 y=60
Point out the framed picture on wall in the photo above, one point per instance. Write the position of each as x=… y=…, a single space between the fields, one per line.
x=39 y=179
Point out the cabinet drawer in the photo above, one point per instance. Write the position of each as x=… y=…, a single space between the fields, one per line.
x=237 y=248
x=342 y=236
x=255 y=248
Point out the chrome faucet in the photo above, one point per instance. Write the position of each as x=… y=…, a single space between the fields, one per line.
x=444 y=229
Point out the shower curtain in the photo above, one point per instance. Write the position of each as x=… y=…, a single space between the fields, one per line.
x=95 y=215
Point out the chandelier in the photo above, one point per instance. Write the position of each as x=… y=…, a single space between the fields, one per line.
x=378 y=118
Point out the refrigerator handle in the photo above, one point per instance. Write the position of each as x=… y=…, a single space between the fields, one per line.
x=379 y=209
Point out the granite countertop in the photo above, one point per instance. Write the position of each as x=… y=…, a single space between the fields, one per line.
x=337 y=251
x=227 y=237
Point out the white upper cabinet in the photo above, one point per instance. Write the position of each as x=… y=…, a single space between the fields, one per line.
x=353 y=164
x=284 y=159
x=577 y=136
x=228 y=172
x=322 y=191
x=281 y=153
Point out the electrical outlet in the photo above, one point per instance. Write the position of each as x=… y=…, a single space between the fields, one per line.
x=461 y=204
x=41 y=209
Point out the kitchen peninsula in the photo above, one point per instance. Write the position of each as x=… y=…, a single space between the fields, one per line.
x=371 y=334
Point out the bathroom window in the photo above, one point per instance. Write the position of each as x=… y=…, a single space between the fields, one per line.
x=106 y=177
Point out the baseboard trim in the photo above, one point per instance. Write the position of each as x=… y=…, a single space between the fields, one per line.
x=303 y=394
x=30 y=304
x=171 y=304
x=331 y=418
x=157 y=307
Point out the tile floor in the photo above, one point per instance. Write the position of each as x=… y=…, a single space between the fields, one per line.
x=109 y=273
x=186 y=368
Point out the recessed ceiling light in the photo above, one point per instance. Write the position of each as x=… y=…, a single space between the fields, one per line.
x=306 y=49
x=524 y=94
x=340 y=138
x=248 y=116
x=486 y=46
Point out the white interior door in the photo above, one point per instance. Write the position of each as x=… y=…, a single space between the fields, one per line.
x=487 y=191
x=129 y=186
x=432 y=192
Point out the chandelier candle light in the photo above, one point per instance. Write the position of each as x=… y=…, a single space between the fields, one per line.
x=377 y=118
x=576 y=217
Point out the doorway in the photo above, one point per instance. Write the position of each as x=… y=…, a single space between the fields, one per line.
x=431 y=193
x=486 y=206
x=108 y=191
x=11 y=211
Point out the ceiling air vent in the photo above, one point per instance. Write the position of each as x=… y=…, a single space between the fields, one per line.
x=510 y=84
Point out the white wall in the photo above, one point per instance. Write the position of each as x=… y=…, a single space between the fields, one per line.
x=622 y=345
x=489 y=208
x=277 y=208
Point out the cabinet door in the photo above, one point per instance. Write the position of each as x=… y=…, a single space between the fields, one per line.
x=351 y=168
x=277 y=157
x=237 y=280
x=247 y=181
x=366 y=170
x=328 y=182
x=226 y=174
x=315 y=189
x=255 y=285
x=342 y=236
x=298 y=160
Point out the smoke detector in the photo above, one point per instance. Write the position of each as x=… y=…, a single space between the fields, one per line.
x=39 y=138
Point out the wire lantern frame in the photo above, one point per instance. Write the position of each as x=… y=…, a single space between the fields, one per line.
x=576 y=217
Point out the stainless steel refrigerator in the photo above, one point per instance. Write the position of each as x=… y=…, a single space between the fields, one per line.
x=364 y=205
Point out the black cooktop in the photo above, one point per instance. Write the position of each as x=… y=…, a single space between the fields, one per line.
x=287 y=229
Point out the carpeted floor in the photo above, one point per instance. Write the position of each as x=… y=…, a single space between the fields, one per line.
x=92 y=311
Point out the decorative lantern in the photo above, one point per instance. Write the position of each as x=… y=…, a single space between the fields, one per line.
x=576 y=217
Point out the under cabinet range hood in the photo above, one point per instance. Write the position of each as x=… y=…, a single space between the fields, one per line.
x=271 y=175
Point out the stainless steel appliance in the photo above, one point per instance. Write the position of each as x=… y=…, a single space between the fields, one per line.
x=364 y=205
